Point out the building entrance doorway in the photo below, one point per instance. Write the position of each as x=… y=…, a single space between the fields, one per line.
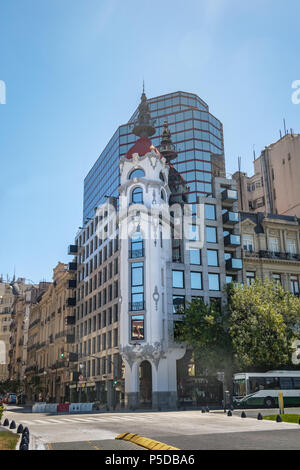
x=145 y=378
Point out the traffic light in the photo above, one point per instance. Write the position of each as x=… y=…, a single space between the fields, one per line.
x=62 y=353
x=115 y=383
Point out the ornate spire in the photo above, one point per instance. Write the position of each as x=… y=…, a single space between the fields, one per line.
x=144 y=126
x=167 y=148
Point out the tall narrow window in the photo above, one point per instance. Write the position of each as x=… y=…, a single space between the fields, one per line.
x=274 y=244
x=137 y=286
x=292 y=246
x=137 y=245
x=250 y=277
x=137 y=196
x=248 y=243
x=276 y=278
x=295 y=285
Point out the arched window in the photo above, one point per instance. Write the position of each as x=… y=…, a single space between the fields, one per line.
x=162 y=195
x=137 y=196
x=137 y=245
x=138 y=173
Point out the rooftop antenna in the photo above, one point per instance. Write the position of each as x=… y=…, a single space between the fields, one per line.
x=254 y=154
x=285 y=131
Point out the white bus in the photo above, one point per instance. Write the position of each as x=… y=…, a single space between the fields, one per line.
x=255 y=389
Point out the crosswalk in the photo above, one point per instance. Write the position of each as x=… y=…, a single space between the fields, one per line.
x=87 y=419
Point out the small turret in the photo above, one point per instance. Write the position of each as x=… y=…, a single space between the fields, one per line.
x=144 y=125
x=167 y=148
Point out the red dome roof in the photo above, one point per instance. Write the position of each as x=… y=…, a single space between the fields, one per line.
x=142 y=147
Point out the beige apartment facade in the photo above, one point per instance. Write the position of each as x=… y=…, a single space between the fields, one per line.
x=50 y=340
x=9 y=291
x=271 y=249
x=6 y=301
x=274 y=188
x=20 y=313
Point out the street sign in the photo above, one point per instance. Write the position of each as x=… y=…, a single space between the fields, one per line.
x=81 y=378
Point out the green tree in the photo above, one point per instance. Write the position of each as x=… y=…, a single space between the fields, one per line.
x=204 y=327
x=264 y=321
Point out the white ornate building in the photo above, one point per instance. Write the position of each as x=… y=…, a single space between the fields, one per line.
x=145 y=256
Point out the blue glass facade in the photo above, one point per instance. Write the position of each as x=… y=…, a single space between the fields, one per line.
x=195 y=132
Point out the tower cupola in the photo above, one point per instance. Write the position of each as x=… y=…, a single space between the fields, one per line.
x=144 y=126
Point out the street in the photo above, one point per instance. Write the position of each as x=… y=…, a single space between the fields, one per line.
x=186 y=430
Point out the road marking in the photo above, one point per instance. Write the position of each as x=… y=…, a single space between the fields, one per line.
x=53 y=420
x=67 y=420
x=81 y=420
x=40 y=421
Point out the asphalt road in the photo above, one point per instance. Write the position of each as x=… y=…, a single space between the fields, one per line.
x=183 y=429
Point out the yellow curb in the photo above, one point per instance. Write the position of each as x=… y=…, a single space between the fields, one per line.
x=145 y=442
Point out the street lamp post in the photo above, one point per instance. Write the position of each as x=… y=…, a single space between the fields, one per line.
x=81 y=369
x=45 y=373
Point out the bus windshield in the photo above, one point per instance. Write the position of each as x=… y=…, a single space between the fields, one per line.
x=239 y=387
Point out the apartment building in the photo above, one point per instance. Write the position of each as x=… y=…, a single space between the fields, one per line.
x=271 y=249
x=51 y=335
x=274 y=187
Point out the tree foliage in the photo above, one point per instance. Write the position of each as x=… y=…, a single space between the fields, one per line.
x=204 y=328
x=255 y=332
x=11 y=386
x=264 y=321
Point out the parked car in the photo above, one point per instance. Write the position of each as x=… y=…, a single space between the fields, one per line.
x=12 y=398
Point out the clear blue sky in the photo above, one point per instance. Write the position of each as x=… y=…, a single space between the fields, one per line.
x=73 y=71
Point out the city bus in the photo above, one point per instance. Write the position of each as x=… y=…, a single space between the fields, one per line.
x=255 y=389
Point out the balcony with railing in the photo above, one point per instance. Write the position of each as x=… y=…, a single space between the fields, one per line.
x=71 y=284
x=72 y=266
x=35 y=322
x=229 y=196
x=234 y=264
x=279 y=255
x=71 y=301
x=271 y=255
x=232 y=241
x=230 y=218
x=72 y=250
x=70 y=339
x=70 y=320
x=136 y=306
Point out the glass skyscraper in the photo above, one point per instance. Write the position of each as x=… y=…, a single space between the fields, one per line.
x=196 y=133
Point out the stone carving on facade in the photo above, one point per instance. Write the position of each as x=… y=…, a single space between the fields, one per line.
x=135 y=159
x=154 y=197
x=156 y=297
x=146 y=352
